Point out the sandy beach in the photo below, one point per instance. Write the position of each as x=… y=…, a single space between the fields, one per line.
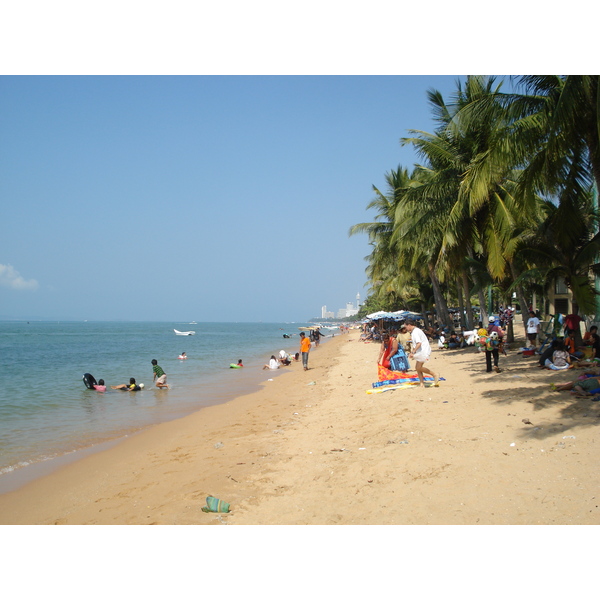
x=314 y=448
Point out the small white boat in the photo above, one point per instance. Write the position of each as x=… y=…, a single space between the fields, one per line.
x=184 y=332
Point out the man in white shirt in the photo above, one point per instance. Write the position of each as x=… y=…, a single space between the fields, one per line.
x=421 y=350
x=533 y=329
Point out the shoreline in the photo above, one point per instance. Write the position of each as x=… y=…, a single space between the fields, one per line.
x=314 y=448
x=68 y=471
x=217 y=388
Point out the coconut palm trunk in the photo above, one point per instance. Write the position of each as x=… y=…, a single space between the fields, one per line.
x=441 y=307
x=520 y=296
x=468 y=306
x=461 y=304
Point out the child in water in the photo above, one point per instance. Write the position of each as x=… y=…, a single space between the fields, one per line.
x=132 y=386
x=100 y=387
x=159 y=375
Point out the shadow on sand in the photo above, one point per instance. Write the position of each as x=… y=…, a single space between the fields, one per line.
x=505 y=389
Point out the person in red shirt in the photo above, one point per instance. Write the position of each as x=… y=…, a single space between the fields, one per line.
x=572 y=321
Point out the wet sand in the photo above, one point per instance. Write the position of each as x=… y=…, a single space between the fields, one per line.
x=314 y=448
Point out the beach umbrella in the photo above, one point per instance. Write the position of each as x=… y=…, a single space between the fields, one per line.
x=377 y=315
x=406 y=314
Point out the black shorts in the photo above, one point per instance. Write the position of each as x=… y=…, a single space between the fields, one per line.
x=531 y=337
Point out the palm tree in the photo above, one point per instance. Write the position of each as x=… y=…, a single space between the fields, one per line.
x=505 y=182
x=553 y=132
x=559 y=124
x=566 y=246
x=418 y=236
x=468 y=191
x=382 y=262
x=396 y=269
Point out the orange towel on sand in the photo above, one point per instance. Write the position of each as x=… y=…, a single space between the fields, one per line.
x=387 y=375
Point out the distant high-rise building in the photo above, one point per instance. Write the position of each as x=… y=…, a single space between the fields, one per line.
x=326 y=314
x=350 y=310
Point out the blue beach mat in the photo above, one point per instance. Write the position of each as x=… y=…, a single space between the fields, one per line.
x=408 y=380
x=390 y=388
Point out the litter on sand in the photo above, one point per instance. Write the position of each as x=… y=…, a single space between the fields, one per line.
x=215 y=505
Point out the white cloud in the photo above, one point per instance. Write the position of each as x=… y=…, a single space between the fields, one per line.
x=11 y=278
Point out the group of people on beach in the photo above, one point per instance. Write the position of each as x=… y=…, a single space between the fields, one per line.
x=567 y=350
x=285 y=359
x=566 y=353
x=393 y=351
x=417 y=341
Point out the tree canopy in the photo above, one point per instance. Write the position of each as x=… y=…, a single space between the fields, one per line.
x=503 y=200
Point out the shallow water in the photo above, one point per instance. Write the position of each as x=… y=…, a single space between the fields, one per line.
x=47 y=412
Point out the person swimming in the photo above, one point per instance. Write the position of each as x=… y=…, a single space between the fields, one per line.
x=100 y=387
x=132 y=386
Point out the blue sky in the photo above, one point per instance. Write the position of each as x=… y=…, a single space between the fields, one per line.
x=195 y=197
x=205 y=161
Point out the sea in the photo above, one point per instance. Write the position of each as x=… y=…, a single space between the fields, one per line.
x=48 y=416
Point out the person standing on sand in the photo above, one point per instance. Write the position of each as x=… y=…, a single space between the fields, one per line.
x=492 y=345
x=159 y=375
x=533 y=329
x=421 y=351
x=403 y=338
x=304 y=349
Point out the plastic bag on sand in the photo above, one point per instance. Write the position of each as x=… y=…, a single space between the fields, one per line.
x=215 y=505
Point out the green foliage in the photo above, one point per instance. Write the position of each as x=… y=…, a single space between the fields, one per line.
x=502 y=198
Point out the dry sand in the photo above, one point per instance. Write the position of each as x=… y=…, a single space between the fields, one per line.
x=314 y=448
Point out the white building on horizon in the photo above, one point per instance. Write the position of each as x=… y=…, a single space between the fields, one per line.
x=350 y=310
x=325 y=314
x=342 y=313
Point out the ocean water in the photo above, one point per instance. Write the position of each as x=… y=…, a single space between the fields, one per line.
x=47 y=412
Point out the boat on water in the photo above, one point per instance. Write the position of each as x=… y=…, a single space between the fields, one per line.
x=184 y=332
